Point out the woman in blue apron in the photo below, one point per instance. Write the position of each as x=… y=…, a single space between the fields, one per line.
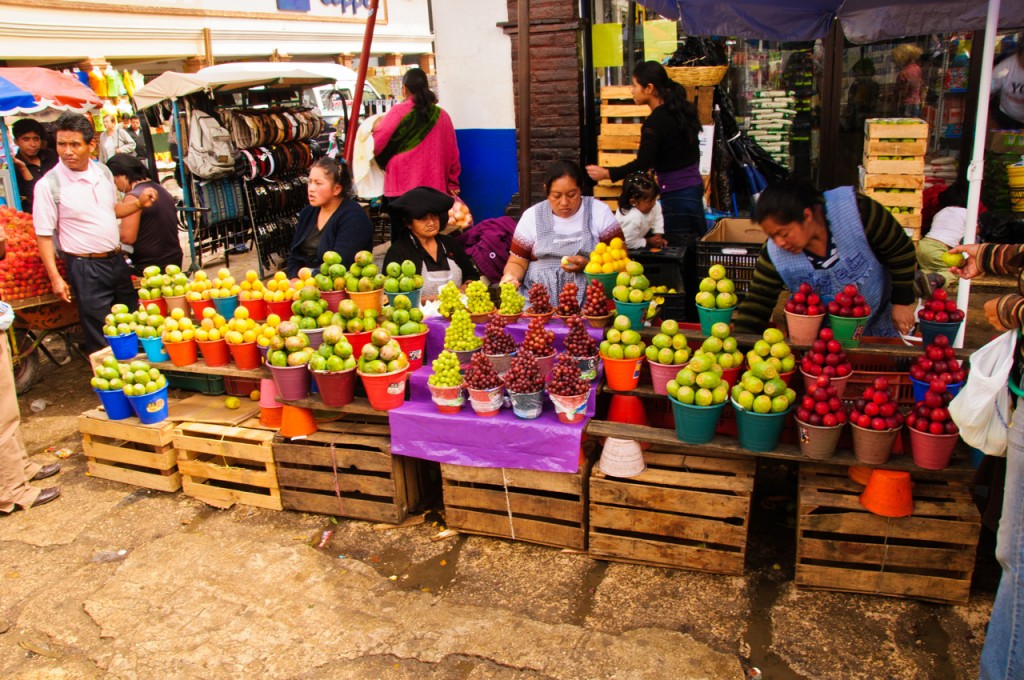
x=553 y=240
x=829 y=240
x=417 y=217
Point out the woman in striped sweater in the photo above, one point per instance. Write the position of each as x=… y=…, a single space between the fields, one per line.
x=829 y=240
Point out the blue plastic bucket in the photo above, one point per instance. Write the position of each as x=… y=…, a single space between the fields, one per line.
x=921 y=389
x=150 y=408
x=154 y=349
x=413 y=295
x=115 y=403
x=125 y=347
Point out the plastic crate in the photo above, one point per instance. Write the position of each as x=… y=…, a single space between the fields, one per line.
x=735 y=244
x=240 y=387
x=195 y=382
x=673 y=267
x=867 y=367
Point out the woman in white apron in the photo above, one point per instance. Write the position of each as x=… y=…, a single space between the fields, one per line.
x=554 y=238
x=417 y=217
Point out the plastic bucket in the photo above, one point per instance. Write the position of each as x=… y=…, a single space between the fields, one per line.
x=510 y=318
x=622 y=375
x=600 y=321
x=816 y=441
x=545 y=365
x=358 y=340
x=859 y=474
x=385 y=390
x=315 y=335
x=1015 y=184
x=197 y=307
x=932 y=451
x=177 y=302
x=921 y=388
x=115 y=403
x=731 y=375
x=501 y=362
x=154 y=349
x=182 y=353
x=447 y=399
x=336 y=388
x=270 y=416
x=413 y=346
x=333 y=298
x=125 y=347
x=888 y=493
x=245 y=355
x=465 y=355
x=607 y=280
x=636 y=312
x=215 y=352
x=569 y=409
x=695 y=424
x=283 y=309
x=160 y=303
x=371 y=299
x=709 y=317
x=803 y=329
x=257 y=309
x=873 y=447
x=588 y=367
x=225 y=306
x=150 y=408
x=292 y=381
x=847 y=329
x=811 y=381
x=661 y=374
x=486 y=403
x=787 y=377
x=930 y=329
x=759 y=431
x=621 y=458
x=527 y=405
x=264 y=350
x=413 y=295
x=530 y=316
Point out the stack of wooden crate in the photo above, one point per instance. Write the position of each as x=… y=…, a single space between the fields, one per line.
x=893 y=169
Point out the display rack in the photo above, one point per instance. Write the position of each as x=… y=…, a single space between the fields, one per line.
x=272 y=229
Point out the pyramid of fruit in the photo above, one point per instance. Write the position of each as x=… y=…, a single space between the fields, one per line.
x=278 y=288
x=699 y=383
x=631 y=285
x=772 y=349
x=240 y=329
x=289 y=347
x=761 y=390
x=939 y=362
x=607 y=258
x=496 y=339
x=876 y=409
x=120 y=321
x=669 y=345
x=401 y=278
x=362 y=275
x=512 y=303
x=621 y=341
x=450 y=299
x=382 y=354
x=821 y=406
x=154 y=284
x=353 y=319
x=401 y=318
x=940 y=309
x=722 y=347
x=595 y=300
x=540 y=300
x=149 y=322
x=716 y=291
x=251 y=288
x=331 y=275
x=459 y=336
x=446 y=371
x=334 y=353
x=478 y=299
x=178 y=327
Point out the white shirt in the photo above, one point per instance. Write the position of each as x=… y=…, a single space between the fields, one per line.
x=603 y=226
x=1008 y=78
x=87 y=221
x=949 y=225
x=636 y=226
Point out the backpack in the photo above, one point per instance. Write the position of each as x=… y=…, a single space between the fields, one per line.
x=211 y=153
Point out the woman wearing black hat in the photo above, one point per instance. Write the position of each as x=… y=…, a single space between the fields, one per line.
x=416 y=220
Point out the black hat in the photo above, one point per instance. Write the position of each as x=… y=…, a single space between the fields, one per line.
x=416 y=203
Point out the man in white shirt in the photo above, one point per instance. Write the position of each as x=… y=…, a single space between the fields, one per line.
x=1008 y=82
x=84 y=220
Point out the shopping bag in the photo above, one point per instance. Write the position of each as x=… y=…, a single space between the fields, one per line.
x=982 y=408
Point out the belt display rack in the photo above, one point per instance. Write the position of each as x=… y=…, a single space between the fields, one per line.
x=273 y=207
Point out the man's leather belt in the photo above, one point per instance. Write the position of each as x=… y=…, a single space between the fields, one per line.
x=97 y=256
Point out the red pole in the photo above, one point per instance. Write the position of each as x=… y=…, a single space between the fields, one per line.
x=357 y=101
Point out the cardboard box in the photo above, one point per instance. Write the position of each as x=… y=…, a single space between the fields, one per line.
x=1005 y=141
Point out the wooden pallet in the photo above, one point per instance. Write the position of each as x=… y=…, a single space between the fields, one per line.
x=890 y=181
x=549 y=508
x=902 y=199
x=928 y=556
x=684 y=511
x=875 y=129
x=359 y=478
x=129 y=452
x=895 y=147
x=914 y=166
x=222 y=465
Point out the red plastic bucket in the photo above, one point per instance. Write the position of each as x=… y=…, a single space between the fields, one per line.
x=661 y=374
x=358 y=340
x=385 y=390
x=197 y=307
x=333 y=298
x=283 y=309
x=447 y=399
x=257 y=309
x=160 y=303
x=182 y=353
x=486 y=403
x=413 y=346
x=731 y=375
x=245 y=355
x=292 y=381
x=215 y=352
x=932 y=451
x=336 y=388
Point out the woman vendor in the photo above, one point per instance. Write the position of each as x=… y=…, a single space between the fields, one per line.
x=553 y=240
x=331 y=222
x=416 y=220
x=829 y=240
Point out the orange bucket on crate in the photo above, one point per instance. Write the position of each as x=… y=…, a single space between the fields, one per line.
x=889 y=493
x=215 y=352
x=385 y=390
x=371 y=299
x=245 y=355
x=257 y=309
x=622 y=374
x=182 y=353
x=297 y=422
x=197 y=307
x=271 y=416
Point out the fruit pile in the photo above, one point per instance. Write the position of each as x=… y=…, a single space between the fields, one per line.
x=22 y=274
x=353 y=319
x=478 y=300
x=621 y=342
x=849 y=303
x=761 y=390
x=875 y=409
x=309 y=310
x=722 y=347
x=822 y=406
x=524 y=377
x=480 y=375
x=363 y=276
x=595 y=301
x=402 y=278
x=512 y=302
x=149 y=322
x=827 y=357
x=931 y=414
x=538 y=339
x=138 y=378
x=155 y=284
x=459 y=216
x=716 y=291
x=107 y=376
x=450 y=300
x=267 y=330
x=459 y=336
x=669 y=345
x=278 y=288
x=568 y=300
x=631 y=285
x=240 y=328
x=540 y=301
x=382 y=354
x=496 y=338
x=699 y=383
x=566 y=380
x=178 y=328
x=938 y=362
x=331 y=275
x=578 y=342
x=212 y=326
x=334 y=353
x=401 y=318
x=805 y=301
x=607 y=258
x=772 y=349
x=289 y=347
x=251 y=287
x=120 y=321
x=940 y=309
x=447 y=372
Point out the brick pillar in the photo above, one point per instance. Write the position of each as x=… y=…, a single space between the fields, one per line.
x=193 y=64
x=426 y=62
x=393 y=59
x=347 y=60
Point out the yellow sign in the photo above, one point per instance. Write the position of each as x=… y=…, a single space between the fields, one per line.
x=660 y=39
x=607 y=43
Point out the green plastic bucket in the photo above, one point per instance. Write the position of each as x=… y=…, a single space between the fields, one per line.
x=709 y=317
x=607 y=280
x=634 y=311
x=759 y=432
x=847 y=329
x=695 y=424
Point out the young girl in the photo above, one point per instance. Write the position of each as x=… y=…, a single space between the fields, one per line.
x=639 y=213
x=946 y=231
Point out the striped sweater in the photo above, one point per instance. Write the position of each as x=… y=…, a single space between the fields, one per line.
x=995 y=258
x=889 y=243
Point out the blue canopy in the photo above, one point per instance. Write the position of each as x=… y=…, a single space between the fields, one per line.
x=13 y=98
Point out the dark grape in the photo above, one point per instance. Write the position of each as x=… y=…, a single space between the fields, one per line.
x=540 y=301
x=578 y=342
x=481 y=374
x=596 y=301
x=524 y=375
x=565 y=378
x=539 y=339
x=568 y=302
x=496 y=339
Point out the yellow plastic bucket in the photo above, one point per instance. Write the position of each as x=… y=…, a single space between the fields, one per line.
x=1015 y=175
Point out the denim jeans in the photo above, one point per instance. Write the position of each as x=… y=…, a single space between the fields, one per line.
x=683 y=211
x=1003 y=654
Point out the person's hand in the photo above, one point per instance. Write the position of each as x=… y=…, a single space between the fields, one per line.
x=19 y=164
x=597 y=173
x=903 y=318
x=61 y=289
x=970 y=268
x=656 y=241
x=992 y=314
x=574 y=263
x=508 y=278
x=148 y=197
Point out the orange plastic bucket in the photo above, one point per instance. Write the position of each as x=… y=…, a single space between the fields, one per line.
x=245 y=355
x=622 y=374
x=385 y=390
x=889 y=493
x=270 y=416
x=182 y=353
x=371 y=299
x=297 y=422
x=215 y=352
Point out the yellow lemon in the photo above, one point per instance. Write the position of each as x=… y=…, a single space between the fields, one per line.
x=254 y=395
x=232 y=402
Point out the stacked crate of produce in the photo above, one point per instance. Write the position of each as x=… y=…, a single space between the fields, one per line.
x=771 y=121
x=893 y=169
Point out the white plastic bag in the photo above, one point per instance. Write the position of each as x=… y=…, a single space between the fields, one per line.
x=982 y=408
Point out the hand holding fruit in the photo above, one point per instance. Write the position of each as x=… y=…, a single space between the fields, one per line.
x=574 y=263
x=968 y=269
x=903 y=317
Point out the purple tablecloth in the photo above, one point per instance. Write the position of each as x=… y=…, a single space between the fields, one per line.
x=438 y=325
x=502 y=441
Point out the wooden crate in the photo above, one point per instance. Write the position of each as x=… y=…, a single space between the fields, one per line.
x=895 y=147
x=359 y=478
x=874 y=128
x=903 y=199
x=928 y=556
x=909 y=221
x=684 y=511
x=890 y=181
x=222 y=465
x=913 y=232
x=549 y=508
x=129 y=452
x=913 y=166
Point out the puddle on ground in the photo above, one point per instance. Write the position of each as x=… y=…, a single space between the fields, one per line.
x=934 y=639
x=585 y=601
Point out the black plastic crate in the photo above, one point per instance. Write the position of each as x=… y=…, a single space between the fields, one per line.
x=735 y=244
x=195 y=382
x=674 y=267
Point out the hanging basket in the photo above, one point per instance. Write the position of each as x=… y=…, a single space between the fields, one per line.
x=697 y=76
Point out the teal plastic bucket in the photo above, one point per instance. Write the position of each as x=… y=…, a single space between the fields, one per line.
x=154 y=349
x=125 y=347
x=847 y=329
x=634 y=311
x=709 y=317
x=759 y=432
x=930 y=329
x=695 y=424
x=607 y=280
x=150 y=408
x=413 y=295
x=226 y=306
